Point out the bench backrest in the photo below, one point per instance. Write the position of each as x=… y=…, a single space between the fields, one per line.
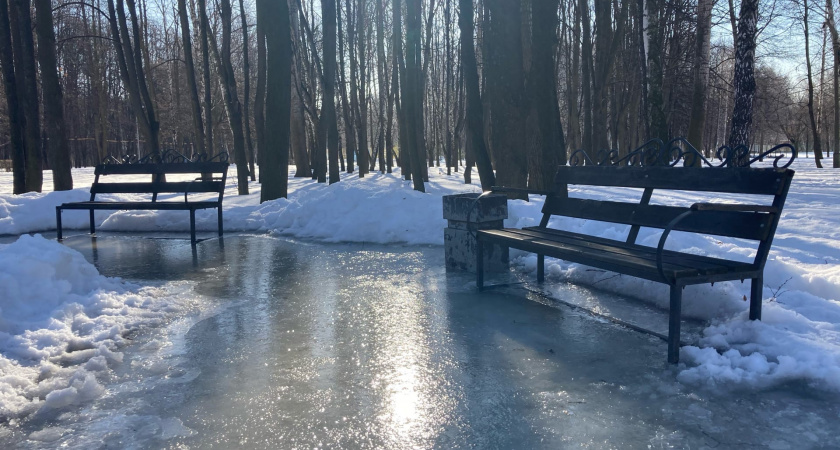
x=757 y=226
x=210 y=177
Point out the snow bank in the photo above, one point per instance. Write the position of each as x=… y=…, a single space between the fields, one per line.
x=61 y=324
x=796 y=341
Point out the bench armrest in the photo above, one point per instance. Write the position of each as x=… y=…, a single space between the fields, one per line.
x=661 y=247
x=733 y=207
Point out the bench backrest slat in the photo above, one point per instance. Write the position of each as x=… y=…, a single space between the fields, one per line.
x=757 y=226
x=157 y=187
x=733 y=180
x=161 y=168
x=744 y=225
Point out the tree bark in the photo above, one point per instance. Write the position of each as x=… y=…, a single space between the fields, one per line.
x=506 y=92
x=278 y=98
x=259 y=95
x=697 y=122
x=58 y=150
x=13 y=104
x=413 y=93
x=547 y=147
x=192 y=86
x=233 y=107
x=246 y=90
x=26 y=76
x=744 y=77
x=328 y=122
x=835 y=78
x=815 y=133
x=297 y=140
x=362 y=116
x=203 y=26
x=474 y=112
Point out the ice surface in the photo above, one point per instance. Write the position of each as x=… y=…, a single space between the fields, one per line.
x=364 y=346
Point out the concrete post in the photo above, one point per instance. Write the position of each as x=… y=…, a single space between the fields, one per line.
x=464 y=217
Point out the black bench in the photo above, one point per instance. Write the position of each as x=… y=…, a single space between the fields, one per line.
x=751 y=221
x=210 y=178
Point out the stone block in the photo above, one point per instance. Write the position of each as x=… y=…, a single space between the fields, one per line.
x=465 y=214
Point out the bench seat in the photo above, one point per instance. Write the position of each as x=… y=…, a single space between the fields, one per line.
x=616 y=256
x=155 y=206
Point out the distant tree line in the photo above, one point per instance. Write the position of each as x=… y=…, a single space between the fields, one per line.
x=353 y=86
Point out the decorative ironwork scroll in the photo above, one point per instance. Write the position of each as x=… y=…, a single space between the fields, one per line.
x=167 y=156
x=678 y=150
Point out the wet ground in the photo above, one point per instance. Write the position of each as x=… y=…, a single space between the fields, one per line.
x=352 y=346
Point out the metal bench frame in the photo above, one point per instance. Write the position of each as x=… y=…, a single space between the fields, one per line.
x=755 y=222
x=212 y=178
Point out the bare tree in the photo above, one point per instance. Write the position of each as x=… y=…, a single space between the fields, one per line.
x=278 y=98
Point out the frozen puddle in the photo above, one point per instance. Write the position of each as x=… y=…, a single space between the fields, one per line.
x=351 y=346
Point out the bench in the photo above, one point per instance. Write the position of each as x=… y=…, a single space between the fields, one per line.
x=211 y=177
x=750 y=221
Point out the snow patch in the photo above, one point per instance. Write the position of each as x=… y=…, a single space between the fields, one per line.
x=62 y=323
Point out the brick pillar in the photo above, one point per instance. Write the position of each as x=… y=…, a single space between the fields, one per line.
x=465 y=216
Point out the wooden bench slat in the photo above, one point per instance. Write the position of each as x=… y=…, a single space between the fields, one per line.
x=685 y=260
x=162 y=168
x=744 y=225
x=732 y=180
x=151 y=206
x=619 y=258
x=157 y=187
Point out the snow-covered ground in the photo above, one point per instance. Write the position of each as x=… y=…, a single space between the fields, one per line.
x=56 y=310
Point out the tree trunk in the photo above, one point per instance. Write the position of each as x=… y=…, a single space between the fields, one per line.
x=13 y=104
x=547 y=147
x=656 y=41
x=382 y=74
x=835 y=78
x=58 y=149
x=347 y=107
x=204 y=24
x=362 y=116
x=815 y=133
x=413 y=93
x=278 y=98
x=259 y=97
x=26 y=76
x=132 y=75
x=586 y=77
x=506 y=91
x=192 y=86
x=224 y=68
x=744 y=77
x=697 y=122
x=328 y=122
x=474 y=112
x=246 y=90
x=297 y=140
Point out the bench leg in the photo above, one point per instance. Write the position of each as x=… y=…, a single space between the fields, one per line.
x=756 y=294
x=479 y=264
x=58 y=222
x=674 y=324
x=92 y=223
x=540 y=268
x=192 y=226
x=221 y=229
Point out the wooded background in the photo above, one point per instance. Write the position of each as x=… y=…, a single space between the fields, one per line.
x=352 y=86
